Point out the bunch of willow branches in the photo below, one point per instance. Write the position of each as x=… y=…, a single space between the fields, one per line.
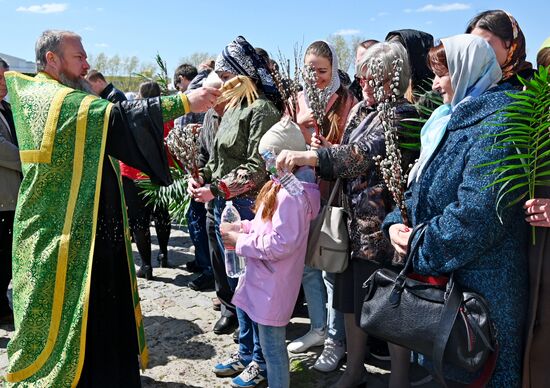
x=390 y=166
x=317 y=97
x=183 y=144
x=288 y=84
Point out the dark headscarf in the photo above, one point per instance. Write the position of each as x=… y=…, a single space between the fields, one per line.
x=239 y=57
x=417 y=43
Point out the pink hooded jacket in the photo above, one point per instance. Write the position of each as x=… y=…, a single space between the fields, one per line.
x=275 y=253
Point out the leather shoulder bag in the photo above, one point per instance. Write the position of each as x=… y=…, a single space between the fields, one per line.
x=328 y=241
x=440 y=321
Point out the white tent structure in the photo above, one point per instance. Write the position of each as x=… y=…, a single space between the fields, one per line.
x=19 y=64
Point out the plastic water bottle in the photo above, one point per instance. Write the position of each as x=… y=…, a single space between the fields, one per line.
x=234 y=264
x=287 y=179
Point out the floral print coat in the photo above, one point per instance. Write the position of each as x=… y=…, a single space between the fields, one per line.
x=366 y=196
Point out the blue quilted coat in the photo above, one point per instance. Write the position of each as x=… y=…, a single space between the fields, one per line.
x=465 y=234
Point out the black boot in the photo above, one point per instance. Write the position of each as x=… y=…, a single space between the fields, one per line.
x=145 y=272
x=163 y=260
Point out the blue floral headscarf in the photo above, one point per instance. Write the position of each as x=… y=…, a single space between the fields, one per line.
x=239 y=57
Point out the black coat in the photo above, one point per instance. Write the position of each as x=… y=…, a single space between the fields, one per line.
x=112 y=94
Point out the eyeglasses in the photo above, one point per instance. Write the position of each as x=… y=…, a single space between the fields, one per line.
x=363 y=81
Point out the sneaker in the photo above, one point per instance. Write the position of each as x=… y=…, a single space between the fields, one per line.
x=329 y=360
x=251 y=376
x=314 y=337
x=230 y=367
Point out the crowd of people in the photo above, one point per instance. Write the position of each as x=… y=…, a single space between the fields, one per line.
x=72 y=148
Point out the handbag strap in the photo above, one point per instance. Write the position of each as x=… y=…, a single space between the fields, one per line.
x=487 y=371
x=453 y=299
x=446 y=323
x=413 y=246
x=334 y=192
x=445 y=326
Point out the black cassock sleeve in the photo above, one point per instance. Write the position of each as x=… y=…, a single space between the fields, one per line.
x=136 y=138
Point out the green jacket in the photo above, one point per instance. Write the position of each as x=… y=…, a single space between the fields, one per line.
x=235 y=167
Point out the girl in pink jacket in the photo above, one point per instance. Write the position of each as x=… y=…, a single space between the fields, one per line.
x=274 y=244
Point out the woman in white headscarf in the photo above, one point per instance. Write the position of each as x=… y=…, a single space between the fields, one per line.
x=322 y=57
x=366 y=200
x=484 y=247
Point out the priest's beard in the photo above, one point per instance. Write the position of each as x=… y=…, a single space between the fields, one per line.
x=78 y=83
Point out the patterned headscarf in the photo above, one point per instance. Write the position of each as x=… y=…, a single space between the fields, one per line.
x=239 y=57
x=515 y=62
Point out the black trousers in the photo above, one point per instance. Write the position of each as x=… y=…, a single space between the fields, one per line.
x=139 y=217
x=6 y=239
x=223 y=290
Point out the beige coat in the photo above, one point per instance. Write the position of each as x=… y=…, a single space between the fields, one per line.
x=10 y=167
x=536 y=362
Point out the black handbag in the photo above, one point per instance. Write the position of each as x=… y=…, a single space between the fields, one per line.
x=441 y=322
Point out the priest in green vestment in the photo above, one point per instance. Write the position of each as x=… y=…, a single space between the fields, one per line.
x=78 y=321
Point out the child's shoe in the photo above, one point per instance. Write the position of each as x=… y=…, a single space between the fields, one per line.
x=251 y=376
x=230 y=367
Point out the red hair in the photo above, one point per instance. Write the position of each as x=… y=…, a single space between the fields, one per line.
x=268 y=197
x=437 y=60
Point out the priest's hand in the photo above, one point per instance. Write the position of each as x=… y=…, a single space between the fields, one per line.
x=202 y=99
x=538 y=212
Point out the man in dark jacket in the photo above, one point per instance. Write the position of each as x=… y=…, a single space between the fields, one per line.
x=10 y=176
x=104 y=89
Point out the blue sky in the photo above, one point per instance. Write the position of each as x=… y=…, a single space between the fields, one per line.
x=177 y=29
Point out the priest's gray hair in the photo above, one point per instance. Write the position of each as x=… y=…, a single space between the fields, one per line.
x=387 y=53
x=4 y=65
x=50 y=40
